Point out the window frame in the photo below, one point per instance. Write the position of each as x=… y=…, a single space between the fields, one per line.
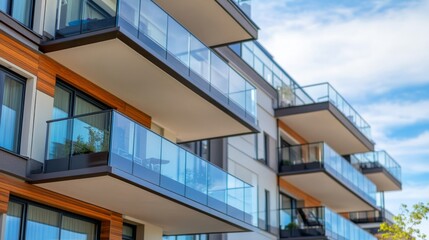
x=134 y=227
x=3 y=73
x=74 y=93
x=23 y=224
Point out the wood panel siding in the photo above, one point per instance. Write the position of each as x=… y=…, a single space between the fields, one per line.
x=291 y=132
x=309 y=201
x=48 y=70
x=4 y=200
x=112 y=230
x=111 y=222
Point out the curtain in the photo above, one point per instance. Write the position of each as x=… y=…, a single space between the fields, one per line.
x=76 y=229
x=21 y=10
x=42 y=224
x=11 y=111
x=13 y=221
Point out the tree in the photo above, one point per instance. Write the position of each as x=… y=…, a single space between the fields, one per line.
x=405 y=226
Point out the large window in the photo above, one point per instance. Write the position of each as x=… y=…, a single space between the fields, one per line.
x=31 y=221
x=21 y=10
x=12 y=89
x=69 y=102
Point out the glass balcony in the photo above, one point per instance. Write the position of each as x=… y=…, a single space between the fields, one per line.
x=109 y=138
x=155 y=30
x=376 y=216
x=378 y=159
x=324 y=92
x=319 y=221
x=245 y=6
x=262 y=62
x=320 y=156
x=290 y=93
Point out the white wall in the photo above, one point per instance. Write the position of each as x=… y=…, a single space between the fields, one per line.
x=242 y=164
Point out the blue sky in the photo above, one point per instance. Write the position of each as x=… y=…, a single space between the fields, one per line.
x=376 y=54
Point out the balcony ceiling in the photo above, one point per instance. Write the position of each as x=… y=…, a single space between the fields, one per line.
x=117 y=68
x=323 y=123
x=214 y=22
x=384 y=181
x=330 y=192
x=132 y=201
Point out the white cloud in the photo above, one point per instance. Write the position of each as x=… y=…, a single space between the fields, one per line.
x=388 y=115
x=360 y=54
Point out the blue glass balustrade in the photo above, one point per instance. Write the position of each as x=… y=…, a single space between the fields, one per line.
x=319 y=221
x=110 y=138
x=378 y=159
x=152 y=28
x=320 y=155
x=290 y=93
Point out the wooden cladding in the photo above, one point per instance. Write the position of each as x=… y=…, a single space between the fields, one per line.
x=291 y=132
x=4 y=200
x=309 y=201
x=48 y=70
x=112 y=230
x=111 y=222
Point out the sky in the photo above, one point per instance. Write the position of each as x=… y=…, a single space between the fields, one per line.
x=376 y=54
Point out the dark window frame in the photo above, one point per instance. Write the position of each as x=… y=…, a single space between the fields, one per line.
x=74 y=93
x=3 y=72
x=23 y=224
x=9 y=12
x=134 y=227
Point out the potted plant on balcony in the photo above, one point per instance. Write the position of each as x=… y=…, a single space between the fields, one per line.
x=90 y=152
x=286 y=96
x=290 y=230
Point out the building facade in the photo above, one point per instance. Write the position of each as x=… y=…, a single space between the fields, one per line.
x=150 y=119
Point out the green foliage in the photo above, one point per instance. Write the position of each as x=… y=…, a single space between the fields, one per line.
x=98 y=141
x=406 y=223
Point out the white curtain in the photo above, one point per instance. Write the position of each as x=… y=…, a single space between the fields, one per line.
x=11 y=111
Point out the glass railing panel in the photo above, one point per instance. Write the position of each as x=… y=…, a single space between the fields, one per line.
x=237 y=89
x=196 y=178
x=121 y=152
x=59 y=145
x=217 y=188
x=147 y=155
x=178 y=42
x=376 y=160
x=200 y=59
x=219 y=74
x=235 y=197
x=90 y=140
x=250 y=208
x=173 y=167
x=251 y=101
x=245 y=6
x=153 y=22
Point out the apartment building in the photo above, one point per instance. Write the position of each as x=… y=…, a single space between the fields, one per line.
x=151 y=119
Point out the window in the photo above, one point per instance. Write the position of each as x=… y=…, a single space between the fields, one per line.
x=262 y=147
x=264 y=216
x=69 y=102
x=128 y=232
x=200 y=148
x=21 y=10
x=32 y=221
x=12 y=90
